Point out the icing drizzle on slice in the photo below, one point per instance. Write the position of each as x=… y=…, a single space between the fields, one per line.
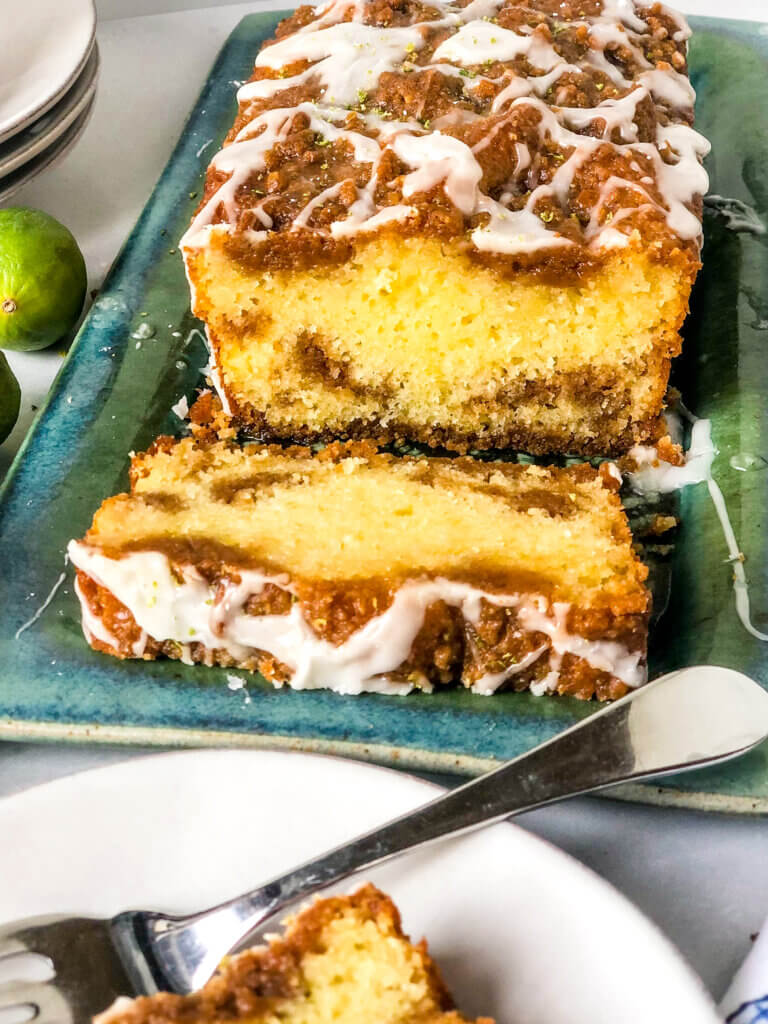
x=654 y=476
x=190 y=609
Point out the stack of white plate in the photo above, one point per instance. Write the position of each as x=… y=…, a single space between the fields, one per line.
x=48 y=79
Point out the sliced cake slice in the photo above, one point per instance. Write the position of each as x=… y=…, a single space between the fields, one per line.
x=342 y=960
x=360 y=571
x=469 y=224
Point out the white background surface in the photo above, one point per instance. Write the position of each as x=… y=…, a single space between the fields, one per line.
x=703 y=878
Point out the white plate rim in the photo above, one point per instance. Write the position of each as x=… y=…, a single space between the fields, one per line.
x=50 y=156
x=46 y=99
x=77 y=786
x=76 y=100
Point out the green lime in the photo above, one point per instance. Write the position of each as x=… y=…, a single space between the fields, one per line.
x=10 y=397
x=42 y=279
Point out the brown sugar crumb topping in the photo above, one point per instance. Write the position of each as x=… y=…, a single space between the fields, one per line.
x=544 y=132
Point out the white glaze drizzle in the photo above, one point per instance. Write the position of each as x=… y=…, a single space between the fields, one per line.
x=736 y=559
x=606 y=655
x=349 y=57
x=491 y=681
x=211 y=369
x=654 y=476
x=51 y=594
x=94 y=628
x=436 y=159
x=214 y=373
x=613 y=471
x=737 y=215
x=181 y=408
x=346 y=57
x=623 y=11
x=191 y=610
x=669 y=86
x=479 y=41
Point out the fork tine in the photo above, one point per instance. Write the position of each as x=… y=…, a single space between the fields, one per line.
x=16 y=993
x=41 y=935
x=28 y=936
x=51 y=1006
x=10 y=944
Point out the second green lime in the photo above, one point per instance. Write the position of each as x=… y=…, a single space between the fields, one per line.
x=42 y=279
x=10 y=398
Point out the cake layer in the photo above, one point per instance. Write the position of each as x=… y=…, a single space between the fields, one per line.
x=411 y=341
x=342 y=960
x=473 y=224
x=356 y=570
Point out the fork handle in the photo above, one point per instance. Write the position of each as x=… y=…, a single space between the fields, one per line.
x=657 y=729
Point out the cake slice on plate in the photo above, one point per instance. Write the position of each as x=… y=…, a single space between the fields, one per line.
x=470 y=224
x=356 y=570
x=342 y=960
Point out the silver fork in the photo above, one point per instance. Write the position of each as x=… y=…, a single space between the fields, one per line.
x=684 y=720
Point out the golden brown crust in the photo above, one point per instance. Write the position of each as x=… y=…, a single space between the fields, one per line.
x=371 y=451
x=602 y=441
x=363 y=439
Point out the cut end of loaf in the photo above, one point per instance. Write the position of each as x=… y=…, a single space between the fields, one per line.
x=412 y=338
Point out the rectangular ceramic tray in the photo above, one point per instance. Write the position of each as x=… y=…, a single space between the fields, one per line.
x=114 y=394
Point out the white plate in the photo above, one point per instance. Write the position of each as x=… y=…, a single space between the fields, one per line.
x=43 y=132
x=50 y=156
x=520 y=930
x=45 y=47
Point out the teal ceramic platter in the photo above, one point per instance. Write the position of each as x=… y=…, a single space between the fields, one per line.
x=139 y=350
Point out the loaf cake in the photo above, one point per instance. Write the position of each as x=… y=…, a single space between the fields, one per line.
x=468 y=224
x=343 y=960
x=355 y=570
